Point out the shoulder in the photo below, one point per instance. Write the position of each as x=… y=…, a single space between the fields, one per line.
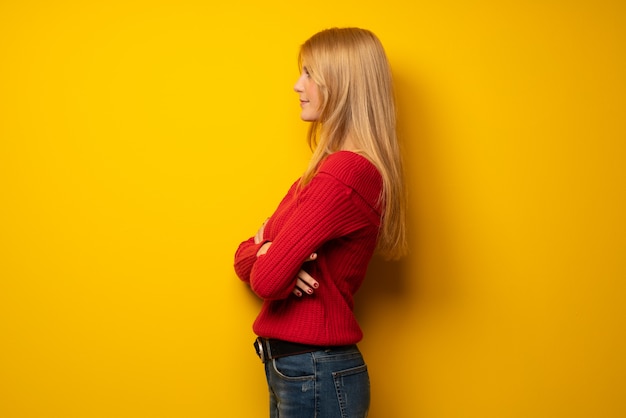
x=348 y=166
x=354 y=171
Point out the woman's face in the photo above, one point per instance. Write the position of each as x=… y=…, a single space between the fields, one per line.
x=309 y=96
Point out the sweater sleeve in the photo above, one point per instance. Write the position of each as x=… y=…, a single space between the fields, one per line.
x=245 y=257
x=325 y=210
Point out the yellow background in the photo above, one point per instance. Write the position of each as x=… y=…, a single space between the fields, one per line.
x=141 y=141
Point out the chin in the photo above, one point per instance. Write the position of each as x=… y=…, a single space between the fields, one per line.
x=308 y=118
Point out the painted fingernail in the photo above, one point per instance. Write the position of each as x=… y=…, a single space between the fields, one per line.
x=298 y=294
x=310 y=291
x=315 y=285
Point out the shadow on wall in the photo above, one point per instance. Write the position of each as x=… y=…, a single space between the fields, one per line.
x=385 y=284
x=392 y=289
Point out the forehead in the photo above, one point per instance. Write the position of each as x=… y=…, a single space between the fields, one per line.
x=304 y=57
x=306 y=63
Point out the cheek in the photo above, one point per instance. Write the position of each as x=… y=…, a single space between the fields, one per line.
x=314 y=93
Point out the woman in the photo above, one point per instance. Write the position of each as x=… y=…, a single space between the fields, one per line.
x=310 y=257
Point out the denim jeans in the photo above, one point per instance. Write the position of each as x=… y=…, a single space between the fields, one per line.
x=331 y=383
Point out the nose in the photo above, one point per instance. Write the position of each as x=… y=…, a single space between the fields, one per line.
x=299 y=87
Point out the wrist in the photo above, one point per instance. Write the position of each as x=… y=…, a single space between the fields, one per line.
x=263 y=249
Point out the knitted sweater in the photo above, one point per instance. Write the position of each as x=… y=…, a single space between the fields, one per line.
x=337 y=215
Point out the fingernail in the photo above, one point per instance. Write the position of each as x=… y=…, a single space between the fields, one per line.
x=309 y=291
x=315 y=285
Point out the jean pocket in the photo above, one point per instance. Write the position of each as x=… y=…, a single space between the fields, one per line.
x=295 y=368
x=352 y=387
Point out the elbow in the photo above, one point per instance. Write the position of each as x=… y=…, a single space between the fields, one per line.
x=242 y=270
x=262 y=291
x=268 y=282
x=242 y=275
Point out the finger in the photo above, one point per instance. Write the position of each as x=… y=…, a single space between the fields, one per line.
x=312 y=257
x=307 y=279
x=304 y=288
x=258 y=237
x=297 y=292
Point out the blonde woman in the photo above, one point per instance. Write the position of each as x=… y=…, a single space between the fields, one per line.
x=310 y=257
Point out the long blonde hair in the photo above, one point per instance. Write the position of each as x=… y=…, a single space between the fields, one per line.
x=350 y=68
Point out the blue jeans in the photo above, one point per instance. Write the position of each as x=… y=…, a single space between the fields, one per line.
x=331 y=383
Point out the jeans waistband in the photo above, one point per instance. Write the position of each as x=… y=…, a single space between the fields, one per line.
x=268 y=349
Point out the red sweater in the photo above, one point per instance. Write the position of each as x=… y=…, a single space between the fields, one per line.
x=337 y=215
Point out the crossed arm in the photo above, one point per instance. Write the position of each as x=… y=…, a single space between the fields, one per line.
x=305 y=283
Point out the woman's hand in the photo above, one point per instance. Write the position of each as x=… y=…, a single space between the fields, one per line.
x=258 y=237
x=305 y=284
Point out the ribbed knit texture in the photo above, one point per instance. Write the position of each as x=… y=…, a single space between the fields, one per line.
x=336 y=215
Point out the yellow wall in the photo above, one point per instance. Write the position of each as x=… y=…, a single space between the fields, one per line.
x=140 y=141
